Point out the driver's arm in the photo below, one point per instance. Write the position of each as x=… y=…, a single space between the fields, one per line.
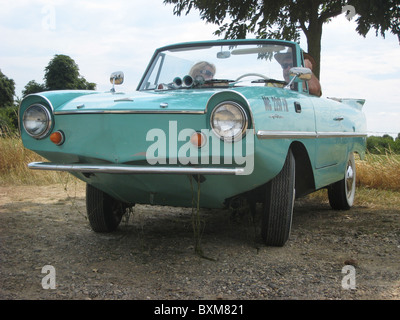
x=314 y=86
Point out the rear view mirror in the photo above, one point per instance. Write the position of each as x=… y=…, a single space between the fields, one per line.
x=223 y=55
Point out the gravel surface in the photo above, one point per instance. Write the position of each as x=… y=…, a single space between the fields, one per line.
x=151 y=256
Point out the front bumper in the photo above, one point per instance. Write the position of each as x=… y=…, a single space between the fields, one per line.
x=127 y=169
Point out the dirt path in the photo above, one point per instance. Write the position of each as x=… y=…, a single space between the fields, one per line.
x=151 y=256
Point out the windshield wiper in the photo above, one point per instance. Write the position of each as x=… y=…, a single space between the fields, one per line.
x=214 y=82
x=218 y=81
x=270 y=81
x=196 y=84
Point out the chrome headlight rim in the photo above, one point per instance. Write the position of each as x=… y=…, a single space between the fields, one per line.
x=48 y=118
x=245 y=122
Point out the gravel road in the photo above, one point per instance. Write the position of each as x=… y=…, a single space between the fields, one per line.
x=151 y=256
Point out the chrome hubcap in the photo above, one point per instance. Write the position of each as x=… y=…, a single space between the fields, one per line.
x=349 y=179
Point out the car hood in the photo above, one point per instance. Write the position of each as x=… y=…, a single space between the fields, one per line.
x=152 y=101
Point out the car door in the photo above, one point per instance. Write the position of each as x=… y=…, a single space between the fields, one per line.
x=330 y=146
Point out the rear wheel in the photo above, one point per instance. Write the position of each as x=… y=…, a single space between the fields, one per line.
x=104 y=212
x=341 y=194
x=278 y=207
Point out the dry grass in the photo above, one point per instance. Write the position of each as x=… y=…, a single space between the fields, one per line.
x=379 y=172
x=13 y=165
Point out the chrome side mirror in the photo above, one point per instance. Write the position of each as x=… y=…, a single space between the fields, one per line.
x=299 y=74
x=116 y=78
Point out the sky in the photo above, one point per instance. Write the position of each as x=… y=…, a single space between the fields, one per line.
x=106 y=36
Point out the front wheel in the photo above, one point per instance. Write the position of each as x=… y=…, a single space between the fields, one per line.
x=341 y=194
x=278 y=207
x=104 y=212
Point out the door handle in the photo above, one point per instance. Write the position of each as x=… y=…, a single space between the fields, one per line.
x=340 y=118
x=297 y=107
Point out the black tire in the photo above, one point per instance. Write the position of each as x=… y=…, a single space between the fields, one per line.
x=278 y=207
x=341 y=194
x=104 y=212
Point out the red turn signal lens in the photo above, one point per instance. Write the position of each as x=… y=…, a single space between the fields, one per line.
x=57 y=138
x=198 y=139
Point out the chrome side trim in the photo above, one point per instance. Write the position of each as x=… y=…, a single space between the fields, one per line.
x=262 y=135
x=70 y=112
x=341 y=135
x=126 y=169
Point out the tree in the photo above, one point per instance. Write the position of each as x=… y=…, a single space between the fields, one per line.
x=33 y=87
x=396 y=145
x=382 y=145
x=7 y=91
x=83 y=84
x=285 y=19
x=8 y=120
x=63 y=73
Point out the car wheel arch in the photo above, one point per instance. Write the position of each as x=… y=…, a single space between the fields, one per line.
x=305 y=182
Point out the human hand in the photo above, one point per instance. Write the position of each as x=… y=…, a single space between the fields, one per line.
x=308 y=64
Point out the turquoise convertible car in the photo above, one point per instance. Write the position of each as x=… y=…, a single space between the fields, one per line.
x=233 y=117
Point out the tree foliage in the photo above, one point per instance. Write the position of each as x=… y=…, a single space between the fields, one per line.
x=7 y=91
x=8 y=120
x=33 y=87
x=62 y=73
x=384 y=144
x=8 y=107
x=286 y=19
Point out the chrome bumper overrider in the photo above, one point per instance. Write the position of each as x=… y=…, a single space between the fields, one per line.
x=126 y=169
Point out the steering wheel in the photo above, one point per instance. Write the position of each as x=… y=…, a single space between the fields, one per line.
x=252 y=74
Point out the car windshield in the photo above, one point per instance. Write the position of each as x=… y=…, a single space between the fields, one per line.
x=200 y=66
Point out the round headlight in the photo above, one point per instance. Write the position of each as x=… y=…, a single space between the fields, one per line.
x=229 y=121
x=37 y=121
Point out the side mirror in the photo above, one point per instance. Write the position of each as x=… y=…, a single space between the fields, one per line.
x=116 y=78
x=299 y=74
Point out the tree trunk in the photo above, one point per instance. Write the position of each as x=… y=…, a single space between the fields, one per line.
x=314 y=36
